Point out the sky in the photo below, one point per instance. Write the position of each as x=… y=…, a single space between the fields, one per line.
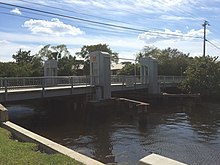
x=125 y=25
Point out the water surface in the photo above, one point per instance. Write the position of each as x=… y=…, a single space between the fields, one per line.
x=186 y=132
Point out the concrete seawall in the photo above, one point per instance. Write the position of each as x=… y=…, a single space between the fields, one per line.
x=46 y=145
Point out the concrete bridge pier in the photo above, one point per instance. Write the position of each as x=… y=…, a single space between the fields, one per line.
x=100 y=74
x=149 y=74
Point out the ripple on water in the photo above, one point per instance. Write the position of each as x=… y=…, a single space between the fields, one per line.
x=192 y=137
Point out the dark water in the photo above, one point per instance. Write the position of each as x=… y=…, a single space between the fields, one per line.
x=188 y=133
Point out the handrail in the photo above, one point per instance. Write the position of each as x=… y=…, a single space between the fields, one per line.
x=56 y=81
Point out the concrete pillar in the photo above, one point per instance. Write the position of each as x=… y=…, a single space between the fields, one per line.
x=100 y=74
x=149 y=74
x=50 y=68
x=3 y=114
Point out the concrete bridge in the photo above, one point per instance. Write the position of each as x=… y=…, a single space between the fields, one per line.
x=24 y=88
x=99 y=84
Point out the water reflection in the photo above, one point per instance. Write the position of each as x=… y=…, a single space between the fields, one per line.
x=205 y=121
x=185 y=132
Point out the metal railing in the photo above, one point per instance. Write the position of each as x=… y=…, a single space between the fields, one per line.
x=123 y=79
x=170 y=79
x=13 y=83
x=42 y=82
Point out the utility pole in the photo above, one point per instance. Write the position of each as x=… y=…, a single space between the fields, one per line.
x=204 y=39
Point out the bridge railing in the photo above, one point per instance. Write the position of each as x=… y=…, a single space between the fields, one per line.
x=124 y=79
x=42 y=82
x=170 y=79
x=13 y=83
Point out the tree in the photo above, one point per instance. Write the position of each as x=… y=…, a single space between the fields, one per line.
x=26 y=64
x=87 y=49
x=9 y=69
x=49 y=52
x=67 y=66
x=130 y=69
x=66 y=62
x=202 y=76
x=37 y=67
x=22 y=56
x=170 y=61
x=148 y=51
x=60 y=51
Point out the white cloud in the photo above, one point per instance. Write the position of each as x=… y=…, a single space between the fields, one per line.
x=154 y=5
x=2 y=42
x=179 y=18
x=126 y=47
x=53 y=27
x=155 y=36
x=78 y=2
x=16 y=11
x=74 y=43
x=194 y=47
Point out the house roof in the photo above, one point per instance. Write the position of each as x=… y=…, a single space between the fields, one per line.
x=117 y=66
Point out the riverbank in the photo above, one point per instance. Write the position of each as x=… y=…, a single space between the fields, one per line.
x=13 y=152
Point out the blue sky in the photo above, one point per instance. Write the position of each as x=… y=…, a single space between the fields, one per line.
x=168 y=23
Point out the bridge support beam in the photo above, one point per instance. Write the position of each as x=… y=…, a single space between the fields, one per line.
x=100 y=74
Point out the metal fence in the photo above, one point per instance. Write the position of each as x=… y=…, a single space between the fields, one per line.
x=122 y=79
x=44 y=82
x=170 y=79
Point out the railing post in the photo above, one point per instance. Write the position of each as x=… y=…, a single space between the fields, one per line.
x=6 y=89
x=43 y=86
x=135 y=81
x=23 y=81
x=1 y=84
x=123 y=81
x=71 y=81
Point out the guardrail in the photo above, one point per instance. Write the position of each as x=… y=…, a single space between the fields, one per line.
x=42 y=82
x=124 y=80
x=170 y=79
x=12 y=83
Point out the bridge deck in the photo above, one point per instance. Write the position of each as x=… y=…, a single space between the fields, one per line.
x=22 y=88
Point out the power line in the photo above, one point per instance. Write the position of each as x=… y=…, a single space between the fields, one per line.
x=100 y=23
x=86 y=27
x=213 y=44
x=17 y=15
x=77 y=12
x=66 y=10
x=96 y=29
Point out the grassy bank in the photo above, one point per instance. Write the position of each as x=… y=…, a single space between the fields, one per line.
x=18 y=153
